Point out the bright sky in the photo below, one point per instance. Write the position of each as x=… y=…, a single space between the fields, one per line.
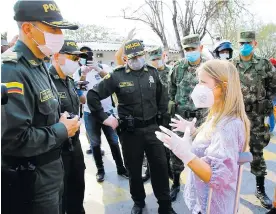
x=104 y=12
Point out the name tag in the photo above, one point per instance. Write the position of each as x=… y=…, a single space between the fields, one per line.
x=46 y=95
x=126 y=84
x=62 y=95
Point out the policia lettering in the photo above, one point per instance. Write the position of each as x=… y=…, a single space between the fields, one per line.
x=52 y=7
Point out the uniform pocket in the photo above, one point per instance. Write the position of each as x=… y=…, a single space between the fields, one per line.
x=48 y=110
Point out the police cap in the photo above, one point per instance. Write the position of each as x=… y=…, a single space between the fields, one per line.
x=46 y=12
x=134 y=48
x=71 y=47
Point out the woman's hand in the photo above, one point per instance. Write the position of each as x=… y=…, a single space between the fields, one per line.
x=182 y=124
x=181 y=147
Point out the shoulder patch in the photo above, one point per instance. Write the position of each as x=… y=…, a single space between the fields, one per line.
x=10 y=56
x=107 y=76
x=118 y=68
x=14 y=88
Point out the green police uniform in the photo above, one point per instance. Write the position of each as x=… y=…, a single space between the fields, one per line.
x=72 y=155
x=258 y=80
x=32 y=170
x=140 y=97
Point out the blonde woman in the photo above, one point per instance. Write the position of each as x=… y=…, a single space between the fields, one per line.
x=212 y=156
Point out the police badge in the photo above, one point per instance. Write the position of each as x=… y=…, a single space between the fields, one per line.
x=151 y=80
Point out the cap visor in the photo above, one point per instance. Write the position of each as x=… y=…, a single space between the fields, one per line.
x=154 y=57
x=77 y=53
x=62 y=25
x=195 y=45
x=141 y=53
x=245 y=40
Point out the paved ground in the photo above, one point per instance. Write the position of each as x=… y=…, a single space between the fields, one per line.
x=112 y=196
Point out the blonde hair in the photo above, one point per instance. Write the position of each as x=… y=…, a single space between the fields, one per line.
x=226 y=76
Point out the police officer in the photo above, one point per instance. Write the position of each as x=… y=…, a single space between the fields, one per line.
x=157 y=60
x=64 y=64
x=32 y=170
x=258 y=79
x=140 y=97
x=182 y=81
x=223 y=50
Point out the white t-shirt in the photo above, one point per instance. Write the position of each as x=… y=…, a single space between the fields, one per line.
x=94 y=78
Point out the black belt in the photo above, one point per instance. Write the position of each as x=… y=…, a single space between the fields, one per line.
x=144 y=123
x=39 y=160
x=124 y=123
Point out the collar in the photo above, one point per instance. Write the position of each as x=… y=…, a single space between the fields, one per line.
x=53 y=72
x=128 y=69
x=27 y=54
x=254 y=60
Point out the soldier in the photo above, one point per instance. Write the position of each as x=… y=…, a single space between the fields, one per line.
x=157 y=60
x=140 y=97
x=183 y=80
x=64 y=64
x=223 y=50
x=32 y=170
x=258 y=79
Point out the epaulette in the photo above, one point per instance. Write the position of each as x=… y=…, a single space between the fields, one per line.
x=10 y=56
x=119 y=68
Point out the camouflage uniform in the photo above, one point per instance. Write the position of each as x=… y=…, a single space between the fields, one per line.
x=258 y=81
x=183 y=79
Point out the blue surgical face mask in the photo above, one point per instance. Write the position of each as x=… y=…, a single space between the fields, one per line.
x=246 y=49
x=192 y=56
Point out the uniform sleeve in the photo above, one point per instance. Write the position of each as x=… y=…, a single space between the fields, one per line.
x=172 y=82
x=20 y=137
x=99 y=92
x=223 y=153
x=271 y=80
x=162 y=99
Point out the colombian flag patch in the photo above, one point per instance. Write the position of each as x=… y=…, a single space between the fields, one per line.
x=15 y=88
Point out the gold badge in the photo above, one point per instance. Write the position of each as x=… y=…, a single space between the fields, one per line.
x=33 y=62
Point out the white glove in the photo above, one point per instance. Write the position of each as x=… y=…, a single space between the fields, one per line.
x=181 y=147
x=112 y=122
x=182 y=124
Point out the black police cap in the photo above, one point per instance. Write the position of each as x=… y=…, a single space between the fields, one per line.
x=71 y=47
x=46 y=12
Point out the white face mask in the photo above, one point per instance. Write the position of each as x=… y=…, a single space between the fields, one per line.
x=69 y=67
x=202 y=96
x=160 y=63
x=136 y=64
x=224 y=56
x=53 y=43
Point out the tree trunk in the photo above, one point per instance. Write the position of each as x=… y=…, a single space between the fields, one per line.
x=176 y=30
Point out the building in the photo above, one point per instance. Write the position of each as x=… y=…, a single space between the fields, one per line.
x=104 y=52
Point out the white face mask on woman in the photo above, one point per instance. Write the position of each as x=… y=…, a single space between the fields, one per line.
x=202 y=96
x=53 y=43
x=70 y=67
